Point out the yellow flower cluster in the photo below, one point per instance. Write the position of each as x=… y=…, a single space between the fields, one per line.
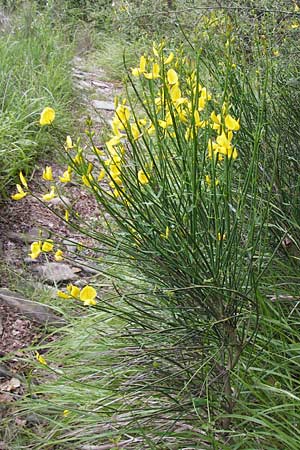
x=87 y=294
x=222 y=145
x=20 y=191
x=174 y=110
x=47 y=246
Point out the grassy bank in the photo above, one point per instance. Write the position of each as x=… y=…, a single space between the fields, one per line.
x=35 y=72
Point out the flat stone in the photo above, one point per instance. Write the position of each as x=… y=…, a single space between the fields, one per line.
x=84 y=84
x=102 y=104
x=70 y=245
x=35 y=234
x=55 y=272
x=101 y=84
x=32 y=310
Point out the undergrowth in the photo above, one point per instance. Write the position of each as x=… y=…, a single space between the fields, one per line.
x=35 y=69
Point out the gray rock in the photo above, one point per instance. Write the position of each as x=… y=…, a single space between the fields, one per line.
x=35 y=234
x=61 y=202
x=100 y=84
x=102 y=104
x=55 y=272
x=32 y=310
x=70 y=245
x=82 y=84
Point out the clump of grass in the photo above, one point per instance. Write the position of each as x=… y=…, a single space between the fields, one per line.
x=35 y=72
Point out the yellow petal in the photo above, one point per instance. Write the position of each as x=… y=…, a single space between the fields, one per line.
x=67 y=215
x=47 y=116
x=40 y=359
x=47 y=246
x=89 y=302
x=75 y=291
x=143 y=62
x=47 y=174
x=101 y=174
x=135 y=72
x=50 y=195
x=155 y=52
x=154 y=74
x=231 y=123
x=59 y=255
x=142 y=177
x=64 y=295
x=88 y=295
x=23 y=180
x=20 y=194
x=66 y=177
x=172 y=76
x=35 y=250
x=69 y=143
x=170 y=58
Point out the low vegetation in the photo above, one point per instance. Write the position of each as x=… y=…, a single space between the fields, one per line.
x=35 y=70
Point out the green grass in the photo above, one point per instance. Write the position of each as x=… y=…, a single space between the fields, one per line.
x=35 y=72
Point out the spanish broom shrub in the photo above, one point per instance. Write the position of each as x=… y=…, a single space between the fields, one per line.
x=196 y=342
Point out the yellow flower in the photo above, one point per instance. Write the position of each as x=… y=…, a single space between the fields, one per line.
x=40 y=359
x=50 y=195
x=88 y=295
x=20 y=194
x=122 y=114
x=135 y=131
x=87 y=180
x=172 y=76
x=63 y=295
x=47 y=116
x=167 y=122
x=154 y=49
x=221 y=237
x=23 y=180
x=231 y=123
x=47 y=246
x=198 y=122
x=66 y=176
x=66 y=412
x=35 y=250
x=166 y=234
x=67 y=215
x=216 y=121
x=47 y=174
x=169 y=59
x=101 y=174
x=208 y=180
x=139 y=70
x=59 y=255
x=74 y=290
x=69 y=143
x=142 y=177
x=154 y=73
